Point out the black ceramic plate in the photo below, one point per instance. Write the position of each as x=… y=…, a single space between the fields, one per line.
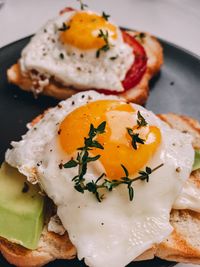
x=176 y=89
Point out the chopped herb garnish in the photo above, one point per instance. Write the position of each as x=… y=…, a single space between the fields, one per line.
x=105 y=16
x=141 y=122
x=135 y=138
x=64 y=27
x=82 y=5
x=140 y=37
x=113 y=58
x=105 y=47
x=83 y=157
x=25 y=188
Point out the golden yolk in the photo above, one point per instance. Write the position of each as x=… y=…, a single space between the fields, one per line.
x=116 y=140
x=84 y=29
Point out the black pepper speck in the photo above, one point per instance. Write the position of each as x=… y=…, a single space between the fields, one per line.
x=60 y=166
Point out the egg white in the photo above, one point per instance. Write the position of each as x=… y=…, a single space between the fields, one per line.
x=72 y=66
x=115 y=231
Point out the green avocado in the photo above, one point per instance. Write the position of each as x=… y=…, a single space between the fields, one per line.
x=196 y=164
x=21 y=208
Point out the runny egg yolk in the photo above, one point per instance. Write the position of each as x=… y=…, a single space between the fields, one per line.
x=116 y=141
x=83 y=30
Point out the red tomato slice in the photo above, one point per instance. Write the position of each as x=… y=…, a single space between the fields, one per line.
x=137 y=70
x=66 y=9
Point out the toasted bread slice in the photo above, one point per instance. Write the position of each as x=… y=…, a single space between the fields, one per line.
x=183 y=245
x=51 y=246
x=138 y=94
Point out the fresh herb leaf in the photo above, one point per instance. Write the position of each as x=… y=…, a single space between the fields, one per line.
x=141 y=122
x=196 y=164
x=113 y=58
x=89 y=159
x=135 y=138
x=82 y=5
x=107 y=46
x=105 y=16
x=70 y=164
x=140 y=37
x=101 y=128
x=64 y=27
x=125 y=170
x=131 y=193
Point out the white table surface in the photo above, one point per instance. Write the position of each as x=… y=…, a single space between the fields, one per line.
x=177 y=21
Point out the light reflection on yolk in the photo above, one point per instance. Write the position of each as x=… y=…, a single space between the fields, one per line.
x=84 y=29
x=116 y=141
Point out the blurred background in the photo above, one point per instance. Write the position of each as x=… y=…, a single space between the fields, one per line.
x=177 y=21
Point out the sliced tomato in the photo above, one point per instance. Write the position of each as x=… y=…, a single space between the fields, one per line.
x=66 y=9
x=137 y=70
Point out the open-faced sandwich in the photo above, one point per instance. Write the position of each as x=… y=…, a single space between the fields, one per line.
x=123 y=183
x=82 y=50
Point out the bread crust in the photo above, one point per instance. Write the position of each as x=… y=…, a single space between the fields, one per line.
x=51 y=246
x=138 y=94
x=183 y=245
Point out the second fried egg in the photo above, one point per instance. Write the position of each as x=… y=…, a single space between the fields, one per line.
x=117 y=230
x=66 y=49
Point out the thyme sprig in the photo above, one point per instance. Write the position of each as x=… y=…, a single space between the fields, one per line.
x=94 y=186
x=135 y=138
x=105 y=16
x=140 y=37
x=107 y=45
x=82 y=5
x=141 y=122
x=83 y=157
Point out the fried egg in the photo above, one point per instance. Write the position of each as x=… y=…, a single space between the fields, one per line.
x=115 y=231
x=66 y=50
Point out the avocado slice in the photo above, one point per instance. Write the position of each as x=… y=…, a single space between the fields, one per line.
x=21 y=208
